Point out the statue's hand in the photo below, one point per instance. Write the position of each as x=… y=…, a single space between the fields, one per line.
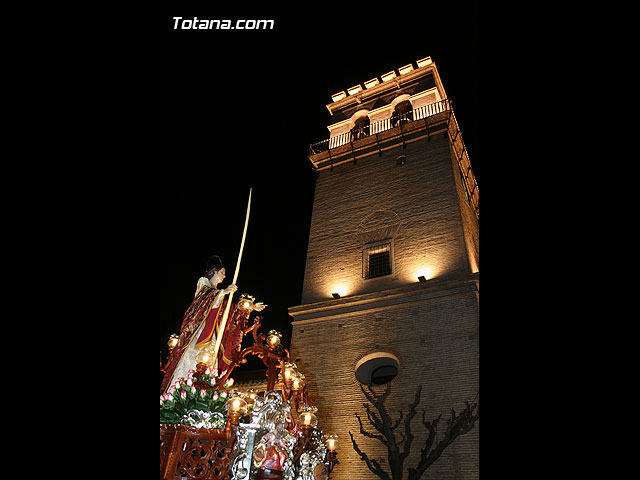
x=231 y=288
x=258 y=307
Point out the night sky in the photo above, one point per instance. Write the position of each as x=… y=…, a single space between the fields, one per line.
x=240 y=109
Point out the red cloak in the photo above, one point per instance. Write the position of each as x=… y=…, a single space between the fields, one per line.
x=193 y=319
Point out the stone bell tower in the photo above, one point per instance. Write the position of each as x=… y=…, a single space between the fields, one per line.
x=391 y=282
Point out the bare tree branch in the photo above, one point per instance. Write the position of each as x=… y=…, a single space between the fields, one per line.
x=456 y=426
x=371 y=463
x=432 y=428
x=407 y=425
x=384 y=427
x=395 y=425
x=370 y=435
x=373 y=397
x=373 y=419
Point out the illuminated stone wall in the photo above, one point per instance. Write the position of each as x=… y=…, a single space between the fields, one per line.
x=415 y=197
x=417 y=204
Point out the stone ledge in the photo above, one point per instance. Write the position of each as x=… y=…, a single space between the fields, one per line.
x=437 y=287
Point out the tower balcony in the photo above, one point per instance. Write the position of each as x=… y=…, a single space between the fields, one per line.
x=390 y=125
x=399 y=129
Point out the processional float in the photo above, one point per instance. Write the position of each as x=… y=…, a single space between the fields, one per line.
x=209 y=431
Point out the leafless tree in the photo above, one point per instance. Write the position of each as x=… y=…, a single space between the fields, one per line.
x=379 y=418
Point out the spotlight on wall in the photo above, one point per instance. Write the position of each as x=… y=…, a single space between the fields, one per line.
x=335 y=295
x=422 y=279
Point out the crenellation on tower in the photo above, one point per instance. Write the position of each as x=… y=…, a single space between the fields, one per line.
x=379 y=92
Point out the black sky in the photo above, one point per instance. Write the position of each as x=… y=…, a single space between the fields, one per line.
x=240 y=109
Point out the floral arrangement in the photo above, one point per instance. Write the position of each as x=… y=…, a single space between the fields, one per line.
x=183 y=396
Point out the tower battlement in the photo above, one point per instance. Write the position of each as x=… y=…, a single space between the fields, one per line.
x=423 y=75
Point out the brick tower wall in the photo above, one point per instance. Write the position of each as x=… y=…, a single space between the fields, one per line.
x=418 y=202
x=432 y=327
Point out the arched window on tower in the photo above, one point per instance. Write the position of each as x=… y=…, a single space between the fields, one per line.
x=361 y=128
x=402 y=113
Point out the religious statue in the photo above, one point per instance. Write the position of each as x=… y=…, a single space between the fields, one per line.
x=271 y=452
x=202 y=322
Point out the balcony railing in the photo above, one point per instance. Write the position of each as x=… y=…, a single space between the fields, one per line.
x=380 y=126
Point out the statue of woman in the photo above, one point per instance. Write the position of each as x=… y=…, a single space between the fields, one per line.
x=201 y=322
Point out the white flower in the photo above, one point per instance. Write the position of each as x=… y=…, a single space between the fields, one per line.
x=189 y=381
x=229 y=382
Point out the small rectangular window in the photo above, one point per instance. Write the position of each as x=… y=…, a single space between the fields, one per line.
x=377 y=259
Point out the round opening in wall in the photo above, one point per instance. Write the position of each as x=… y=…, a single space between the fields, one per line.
x=377 y=368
